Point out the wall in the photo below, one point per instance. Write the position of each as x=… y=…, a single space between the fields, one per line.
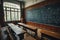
x=32 y=16
x=49 y=14
x=32 y=2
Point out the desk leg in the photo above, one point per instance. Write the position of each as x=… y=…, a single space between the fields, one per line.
x=21 y=36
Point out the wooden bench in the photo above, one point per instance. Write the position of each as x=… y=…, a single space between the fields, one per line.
x=15 y=30
x=29 y=28
x=44 y=31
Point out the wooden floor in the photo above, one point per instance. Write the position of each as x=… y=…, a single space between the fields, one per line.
x=28 y=37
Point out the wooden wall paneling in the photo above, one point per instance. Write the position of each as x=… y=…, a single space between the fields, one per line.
x=42 y=26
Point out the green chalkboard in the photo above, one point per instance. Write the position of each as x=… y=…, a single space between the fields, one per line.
x=49 y=14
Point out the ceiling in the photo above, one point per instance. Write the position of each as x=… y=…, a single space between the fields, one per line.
x=27 y=2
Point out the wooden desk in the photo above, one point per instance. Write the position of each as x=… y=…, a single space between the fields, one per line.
x=15 y=28
x=29 y=29
x=45 y=31
x=50 y=33
x=28 y=26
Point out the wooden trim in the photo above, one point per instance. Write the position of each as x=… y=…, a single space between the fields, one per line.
x=43 y=26
x=12 y=21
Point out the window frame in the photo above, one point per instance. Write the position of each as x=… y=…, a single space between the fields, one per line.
x=15 y=10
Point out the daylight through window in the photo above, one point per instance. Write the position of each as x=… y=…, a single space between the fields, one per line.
x=11 y=12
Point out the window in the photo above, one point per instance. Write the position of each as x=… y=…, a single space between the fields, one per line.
x=11 y=12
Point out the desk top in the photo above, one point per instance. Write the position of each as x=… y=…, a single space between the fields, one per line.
x=28 y=26
x=50 y=33
x=15 y=28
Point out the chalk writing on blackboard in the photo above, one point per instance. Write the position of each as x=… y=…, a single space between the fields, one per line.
x=49 y=14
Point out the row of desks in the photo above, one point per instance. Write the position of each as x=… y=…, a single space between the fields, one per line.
x=17 y=30
x=28 y=26
x=45 y=31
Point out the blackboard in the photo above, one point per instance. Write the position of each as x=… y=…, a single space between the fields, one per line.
x=49 y=14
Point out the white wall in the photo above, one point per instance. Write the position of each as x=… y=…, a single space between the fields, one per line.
x=32 y=2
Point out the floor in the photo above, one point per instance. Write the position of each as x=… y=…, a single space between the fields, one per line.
x=28 y=37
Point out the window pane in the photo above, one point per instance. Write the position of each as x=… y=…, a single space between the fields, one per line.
x=4 y=8
x=12 y=9
x=5 y=15
x=15 y=9
x=19 y=10
x=16 y=16
x=12 y=16
x=8 y=15
x=19 y=15
x=8 y=8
